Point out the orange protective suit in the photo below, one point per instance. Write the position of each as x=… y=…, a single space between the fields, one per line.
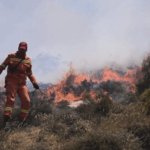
x=15 y=82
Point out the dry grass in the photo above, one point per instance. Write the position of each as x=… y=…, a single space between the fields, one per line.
x=20 y=139
x=121 y=127
x=103 y=140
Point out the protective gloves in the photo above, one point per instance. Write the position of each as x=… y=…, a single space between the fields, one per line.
x=36 y=86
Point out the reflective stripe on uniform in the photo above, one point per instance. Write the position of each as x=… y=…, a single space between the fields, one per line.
x=27 y=62
x=3 y=65
x=29 y=73
x=8 y=109
x=24 y=111
x=17 y=59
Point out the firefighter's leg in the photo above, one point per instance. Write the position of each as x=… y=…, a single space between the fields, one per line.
x=11 y=90
x=25 y=102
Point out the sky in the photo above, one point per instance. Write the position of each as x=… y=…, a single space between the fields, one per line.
x=92 y=34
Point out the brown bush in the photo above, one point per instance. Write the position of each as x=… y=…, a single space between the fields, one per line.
x=145 y=101
x=94 y=108
x=103 y=140
x=143 y=76
x=62 y=104
x=84 y=128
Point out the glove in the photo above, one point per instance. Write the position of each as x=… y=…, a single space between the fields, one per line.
x=36 y=86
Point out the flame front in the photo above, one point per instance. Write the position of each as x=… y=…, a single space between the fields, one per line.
x=68 y=88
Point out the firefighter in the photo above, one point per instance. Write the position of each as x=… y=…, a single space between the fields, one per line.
x=19 y=68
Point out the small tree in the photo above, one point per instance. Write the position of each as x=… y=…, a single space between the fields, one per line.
x=143 y=76
x=112 y=86
x=145 y=102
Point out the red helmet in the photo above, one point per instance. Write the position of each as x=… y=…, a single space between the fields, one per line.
x=23 y=46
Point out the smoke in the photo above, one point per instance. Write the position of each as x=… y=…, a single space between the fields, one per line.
x=117 y=32
x=90 y=34
x=48 y=69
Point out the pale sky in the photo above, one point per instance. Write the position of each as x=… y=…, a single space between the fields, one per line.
x=91 y=34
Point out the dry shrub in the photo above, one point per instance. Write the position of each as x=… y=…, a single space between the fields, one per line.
x=105 y=105
x=112 y=87
x=38 y=113
x=130 y=118
x=37 y=116
x=129 y=97
x=1 y=119
x=44 y=107
x=95 y=108
x=65 y=124
x=143 y=76
x=145 y=101
x=20 y=139
x=117 y=108
x=103 y=140
x=103 y=125
x=143 y=133
x=86 y=96
x=124 y=117
x=3 y=139
x=62 y=104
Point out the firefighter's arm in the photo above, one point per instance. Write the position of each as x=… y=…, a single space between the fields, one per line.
x=4 y=64
x=32 y=78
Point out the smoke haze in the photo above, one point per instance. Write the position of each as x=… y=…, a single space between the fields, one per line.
x=90 y=34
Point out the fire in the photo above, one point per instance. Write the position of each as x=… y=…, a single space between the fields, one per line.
x=129 y=77
x=71 y=88
x=81 y=78
x=109 y=74
x=63 y=92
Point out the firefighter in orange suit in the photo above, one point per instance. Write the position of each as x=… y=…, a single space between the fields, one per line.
x=19 y=68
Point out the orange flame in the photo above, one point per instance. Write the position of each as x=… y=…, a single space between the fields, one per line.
x=109 y=74
x=73 y=78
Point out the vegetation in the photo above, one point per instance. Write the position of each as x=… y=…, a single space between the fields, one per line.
x=95 y=109
x=145 y=101
x=98 y=124
x=112 y=87
x=143 y=76
x=103 y=125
